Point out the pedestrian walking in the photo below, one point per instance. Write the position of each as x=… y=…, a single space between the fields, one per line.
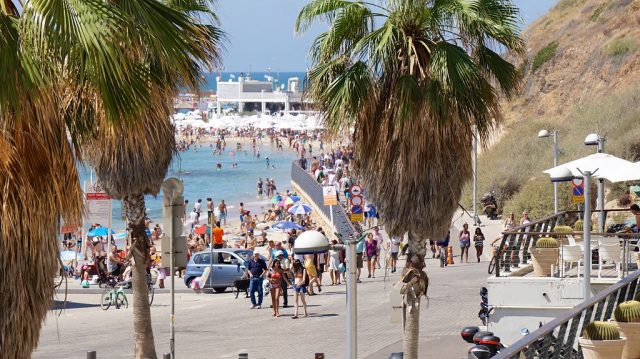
x=256 y=268
x=465 y=242
x=393 y=246
x=371 y=252
x=275 y=277
x=312 y=273
x=334 y=262
x=478 y=242
x=299 y=287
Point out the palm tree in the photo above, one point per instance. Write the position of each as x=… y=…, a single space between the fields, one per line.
x=78 y=71
x=132 y=160
x=412 y=78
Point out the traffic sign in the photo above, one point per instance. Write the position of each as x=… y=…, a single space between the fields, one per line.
x=357 y=201
x=329 y=196
x=357 y=213
x=577 y=193
x=355 y=190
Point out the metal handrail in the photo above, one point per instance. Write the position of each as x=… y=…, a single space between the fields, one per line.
x=313 y=189
x=517 y=242
x=552 y=340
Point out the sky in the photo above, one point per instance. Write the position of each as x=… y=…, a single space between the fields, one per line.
x=260 y=33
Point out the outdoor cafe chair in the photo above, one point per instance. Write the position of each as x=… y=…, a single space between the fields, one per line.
x=571 y=254
x=609 y=253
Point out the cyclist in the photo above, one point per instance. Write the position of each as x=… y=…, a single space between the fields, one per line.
x=115 y=263
x=442 y=246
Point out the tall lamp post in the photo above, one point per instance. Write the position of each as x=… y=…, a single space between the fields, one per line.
x=596 y=140
x=563 y=174
x=475 y=176
x=554 y=135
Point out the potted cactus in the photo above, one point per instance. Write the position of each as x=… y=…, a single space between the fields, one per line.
x=544 y=255
x=564 y=230
x=579 y=225
x=627 y=319
x=601 y=340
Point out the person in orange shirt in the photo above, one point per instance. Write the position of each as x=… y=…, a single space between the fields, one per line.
x=217 y=236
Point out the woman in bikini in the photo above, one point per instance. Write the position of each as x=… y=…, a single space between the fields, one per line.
x=299 y=286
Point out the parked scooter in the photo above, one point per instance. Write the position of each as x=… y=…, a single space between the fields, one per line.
x=490 y=205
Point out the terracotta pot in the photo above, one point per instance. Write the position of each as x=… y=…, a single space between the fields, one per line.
x=602 y=349
x=631 y=331
x=543 y=259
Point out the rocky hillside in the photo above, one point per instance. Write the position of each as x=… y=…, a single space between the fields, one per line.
x=581 y=75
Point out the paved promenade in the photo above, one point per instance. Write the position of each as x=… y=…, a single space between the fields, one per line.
x=220 y=326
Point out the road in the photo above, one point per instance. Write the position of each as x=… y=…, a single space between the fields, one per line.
x=220 y=326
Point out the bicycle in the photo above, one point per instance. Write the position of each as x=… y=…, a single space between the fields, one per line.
x=114 y=296
x=129 y=285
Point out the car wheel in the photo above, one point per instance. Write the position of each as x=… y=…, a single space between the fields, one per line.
x=220 y=289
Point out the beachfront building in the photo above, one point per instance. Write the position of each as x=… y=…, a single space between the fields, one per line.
x=250 y=94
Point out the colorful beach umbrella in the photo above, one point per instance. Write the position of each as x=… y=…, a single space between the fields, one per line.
x=99 y=231
x=287 y=201
x=275 y=199
x=203 y=229
x=295 y=198
x=284 y=225
x=300 y=209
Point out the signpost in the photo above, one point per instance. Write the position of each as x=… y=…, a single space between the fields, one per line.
x=357 y=213
x=99 y=208
x=577 y=194
x=330 y=199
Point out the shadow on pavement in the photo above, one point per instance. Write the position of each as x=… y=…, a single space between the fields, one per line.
x=59 y=304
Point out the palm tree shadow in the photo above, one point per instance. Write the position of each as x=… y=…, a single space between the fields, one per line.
x=61 y=305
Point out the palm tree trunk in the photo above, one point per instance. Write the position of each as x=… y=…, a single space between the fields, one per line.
x=419 y=282
x=143 y=342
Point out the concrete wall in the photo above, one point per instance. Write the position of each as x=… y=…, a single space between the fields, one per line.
x=524 y=302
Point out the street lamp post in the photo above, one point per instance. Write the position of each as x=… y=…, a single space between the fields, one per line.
x=172 y=189
x=475 y=175
x=554 y=135
x=596 y=140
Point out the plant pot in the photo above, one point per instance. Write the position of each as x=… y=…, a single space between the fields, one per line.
x=543 y=259
x=602 y=349
x=631 y=331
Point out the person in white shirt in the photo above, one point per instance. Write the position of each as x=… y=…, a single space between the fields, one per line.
x=193 y=219
x=377 y=236
x=393 y=246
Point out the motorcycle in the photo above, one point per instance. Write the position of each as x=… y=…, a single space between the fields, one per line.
x=490 y=205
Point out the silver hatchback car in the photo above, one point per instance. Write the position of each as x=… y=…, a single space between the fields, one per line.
x=228 y=265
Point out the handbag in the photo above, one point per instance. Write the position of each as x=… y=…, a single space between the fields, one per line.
x=342 y=268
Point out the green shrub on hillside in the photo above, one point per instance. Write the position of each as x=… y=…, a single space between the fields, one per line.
x=620 y=46
x=520 y=155
x=597 y=12
x=544 y=55
x=565 y=4
x=536 y=197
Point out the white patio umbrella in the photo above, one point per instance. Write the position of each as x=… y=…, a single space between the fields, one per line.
x=626 y=174
x=609 y=167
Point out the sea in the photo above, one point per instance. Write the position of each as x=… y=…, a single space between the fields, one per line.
x=196 y=167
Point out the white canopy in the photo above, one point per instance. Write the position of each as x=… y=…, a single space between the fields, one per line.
x=626 y=174
x=609 y=167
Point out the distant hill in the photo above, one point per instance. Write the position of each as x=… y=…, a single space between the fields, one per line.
x=581 y=75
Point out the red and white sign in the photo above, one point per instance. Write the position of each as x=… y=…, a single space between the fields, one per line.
x=355 y=190
x=98 y=203
x=357 y=201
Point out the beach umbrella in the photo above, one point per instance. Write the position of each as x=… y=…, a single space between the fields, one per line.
x=608 y=166
x=295 y=198
x=287 y=201
x=622 y=174
x=99 y=231
x=284 y=225
x=300 y=209
x=275 y=199
x=70 y=255
x=203 y=229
